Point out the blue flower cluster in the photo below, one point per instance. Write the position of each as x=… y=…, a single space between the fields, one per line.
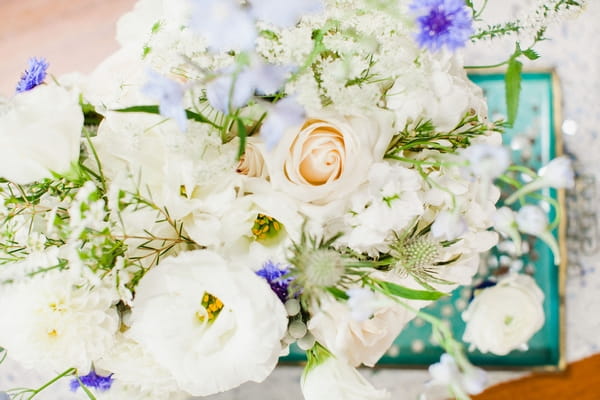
x=442 y=23
x=34 y=75
x=94 y=381
x=274 y=274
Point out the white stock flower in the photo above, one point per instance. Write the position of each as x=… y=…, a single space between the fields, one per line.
x=334 y=325
x=461 y=379
x=487 y=160
x=388 y=203
x=448 y=226
x=532 y=220
x=504 y=317
x=334 y=379
x=557 y=174
x=329 y=156
x=211 y=325
x=55 y=322
x=40 y=132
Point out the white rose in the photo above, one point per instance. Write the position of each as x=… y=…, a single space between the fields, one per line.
x=333 y=379
x=356 y=342
x=212 y=326
x=504 y=317
x=329 y=156
x=40 y=132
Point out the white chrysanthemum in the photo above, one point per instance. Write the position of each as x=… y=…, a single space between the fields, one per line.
x=55 y=322
x=211 y=325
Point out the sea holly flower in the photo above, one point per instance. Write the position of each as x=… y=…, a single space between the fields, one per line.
x=34 y=75
x=532 y=220
x=224 y=24
x=284 y=13
x=92 y=380
x=557 y=174
x=442 y=23
x=169 y=95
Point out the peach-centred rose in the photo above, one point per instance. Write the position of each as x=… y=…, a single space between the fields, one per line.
x=329 y=155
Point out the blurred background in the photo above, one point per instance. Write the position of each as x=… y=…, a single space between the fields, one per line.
x=77 y=35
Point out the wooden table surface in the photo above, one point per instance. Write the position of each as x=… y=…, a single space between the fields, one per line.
x=75 y=35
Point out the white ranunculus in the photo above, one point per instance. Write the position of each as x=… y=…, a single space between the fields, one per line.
x=40 y=132
x=55 y=322
x=329 y=156
x=211 y=325
x=504 y=317
x=357 y=342
x=334 y=379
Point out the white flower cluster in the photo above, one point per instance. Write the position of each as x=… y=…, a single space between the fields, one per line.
x=311 y=172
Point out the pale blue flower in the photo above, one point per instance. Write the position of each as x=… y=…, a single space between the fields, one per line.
x=234 y=90
x=442 y=23
x=224 y=24
x=283 y=115
x=34 y=75
x=169 y=94
x=229 y=92
x=284 y=13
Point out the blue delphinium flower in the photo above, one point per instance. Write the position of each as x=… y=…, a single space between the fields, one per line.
x=274 y=274
x=284 y=13
x=34 y=75
x=442 y=23
x=169 y=95
x=224 y=24
x=284 y=114
x=94 y=381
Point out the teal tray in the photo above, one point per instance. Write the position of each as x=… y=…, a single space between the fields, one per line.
x=536 y=125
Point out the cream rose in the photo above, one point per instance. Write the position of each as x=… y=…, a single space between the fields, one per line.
x=40 y=132
x=329 y=156
x=504 y=317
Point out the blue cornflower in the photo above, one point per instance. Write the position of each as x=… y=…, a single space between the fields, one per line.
x=274 y=274
x=442 y=23
x=34 y=75
x=169 y=95
x=94 y=381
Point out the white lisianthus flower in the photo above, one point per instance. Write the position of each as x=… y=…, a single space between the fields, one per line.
x=211 y=325
x=532 y=220
x=329 y=156
x=334 y=379
x=504 y=317
x=505 y=223
x=46 y=117
x=56 y=322
x=461 y=379
x=333 y=324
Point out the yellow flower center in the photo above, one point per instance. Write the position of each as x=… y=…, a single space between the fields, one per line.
x=265 y=227
x=211 y=308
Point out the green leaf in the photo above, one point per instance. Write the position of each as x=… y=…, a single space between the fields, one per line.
x=512 y=80
x=242 y=134
x=407 y=293
x=154 y=109
x=531 y=54
x=338 y=293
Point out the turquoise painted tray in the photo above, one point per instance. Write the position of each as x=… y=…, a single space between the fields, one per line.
x=536 y=141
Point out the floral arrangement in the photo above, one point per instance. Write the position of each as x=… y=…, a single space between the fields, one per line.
x=244 y=175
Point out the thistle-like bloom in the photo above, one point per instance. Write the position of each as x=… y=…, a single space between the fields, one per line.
x=34 y=75
x=94 y=381
x=169 y=95
x=274 y=274
x=442 y=23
